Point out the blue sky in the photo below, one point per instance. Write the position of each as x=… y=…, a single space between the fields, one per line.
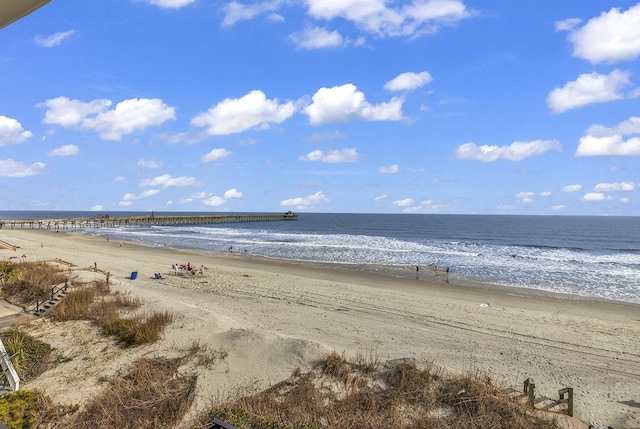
x=422 y=106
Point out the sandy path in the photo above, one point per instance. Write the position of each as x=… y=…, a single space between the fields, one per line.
x=275 y=316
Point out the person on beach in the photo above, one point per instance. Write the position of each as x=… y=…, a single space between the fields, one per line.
x=417 y=272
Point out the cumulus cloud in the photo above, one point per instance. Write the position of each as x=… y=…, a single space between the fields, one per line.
x=613 y=36
x=11 y=132
x=371 y=16
x=516 y=151
x=610 y=141
x=167 y=181
x=572 y=188
x=149 y=163
x=128 y=116
x=595 y=196
x=96 y=208
x=215 y=155
x=613 y=187
x=558 y=207
x=345 y=103
x=55 y=39
x=211 y=200
x=332 y=156
x=418 y=17
x=316 y=38
x=235 y=115
x=11 y=168
x=129 y=198
x=392 y=169
x=608 y=146
x=525 y=197
x=170 y=4
x=589 y=88
x=408 y=81
x=309 y=202
x=66 y=150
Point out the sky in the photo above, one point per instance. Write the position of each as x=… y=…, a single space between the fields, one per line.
x=344 y=106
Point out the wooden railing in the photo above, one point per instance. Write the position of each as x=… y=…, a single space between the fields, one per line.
x=530 y=392
x=54 y=291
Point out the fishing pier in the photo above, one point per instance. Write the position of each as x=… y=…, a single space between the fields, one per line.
x=107 y=221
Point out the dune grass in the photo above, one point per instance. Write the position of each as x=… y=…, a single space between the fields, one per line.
x=23 y=283
x=359 y=394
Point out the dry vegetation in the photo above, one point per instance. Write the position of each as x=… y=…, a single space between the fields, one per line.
x=364 y=394
x=25 y=282
x=158 y=392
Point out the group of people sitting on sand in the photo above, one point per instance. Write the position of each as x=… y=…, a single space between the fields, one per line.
x=187 y=269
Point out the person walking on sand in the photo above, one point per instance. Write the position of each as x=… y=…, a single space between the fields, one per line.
x=417 y=272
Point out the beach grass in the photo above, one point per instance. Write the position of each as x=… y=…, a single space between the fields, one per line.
x=344 y=393
x=25 y=282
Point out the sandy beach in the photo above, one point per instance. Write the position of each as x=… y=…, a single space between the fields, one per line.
x=275 y=316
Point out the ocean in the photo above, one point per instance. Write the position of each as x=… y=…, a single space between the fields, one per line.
x=597 y=257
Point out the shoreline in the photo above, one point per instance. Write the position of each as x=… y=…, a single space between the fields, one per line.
x=274 y=315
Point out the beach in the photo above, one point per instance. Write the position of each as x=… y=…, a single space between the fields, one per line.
x=274 y=316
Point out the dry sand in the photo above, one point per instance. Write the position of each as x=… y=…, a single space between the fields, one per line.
x=273 y=317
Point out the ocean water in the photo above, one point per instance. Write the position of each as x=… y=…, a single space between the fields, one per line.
x=595 y=257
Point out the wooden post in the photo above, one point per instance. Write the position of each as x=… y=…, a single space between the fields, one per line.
x=569 y=392
x=529 y=389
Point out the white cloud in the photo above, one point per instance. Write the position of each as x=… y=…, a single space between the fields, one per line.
x=372 y=16
x=558 y=207
x=127 y=117
x=525 y=197
x=380 y=198
x=629 y=126
x=516 y=151
x=604 y=141
x=149 y=163
x=392 y=169
x=129 y=198
x=612 y=187
x=166 y=181
x=416 y=18
x=595 y=196
x=96 y=208
x=344 y=103
x=316 y=38
x=170 y=4
x=332 y=156
x=215 y=200
x=11 y=168
x=232 y=193
x=306 y=203
x=235 y=11
x=567 y=24
x=425 y=206
x=11 y=131
x=589 y=88
x=53 y=40
x=408 y=81
x=608 y=146
x=215 y=155
x=403 y=203
x=545 y=194
x=66 y=150
x=235 y=115
x=613 y=36
x=572 y=188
